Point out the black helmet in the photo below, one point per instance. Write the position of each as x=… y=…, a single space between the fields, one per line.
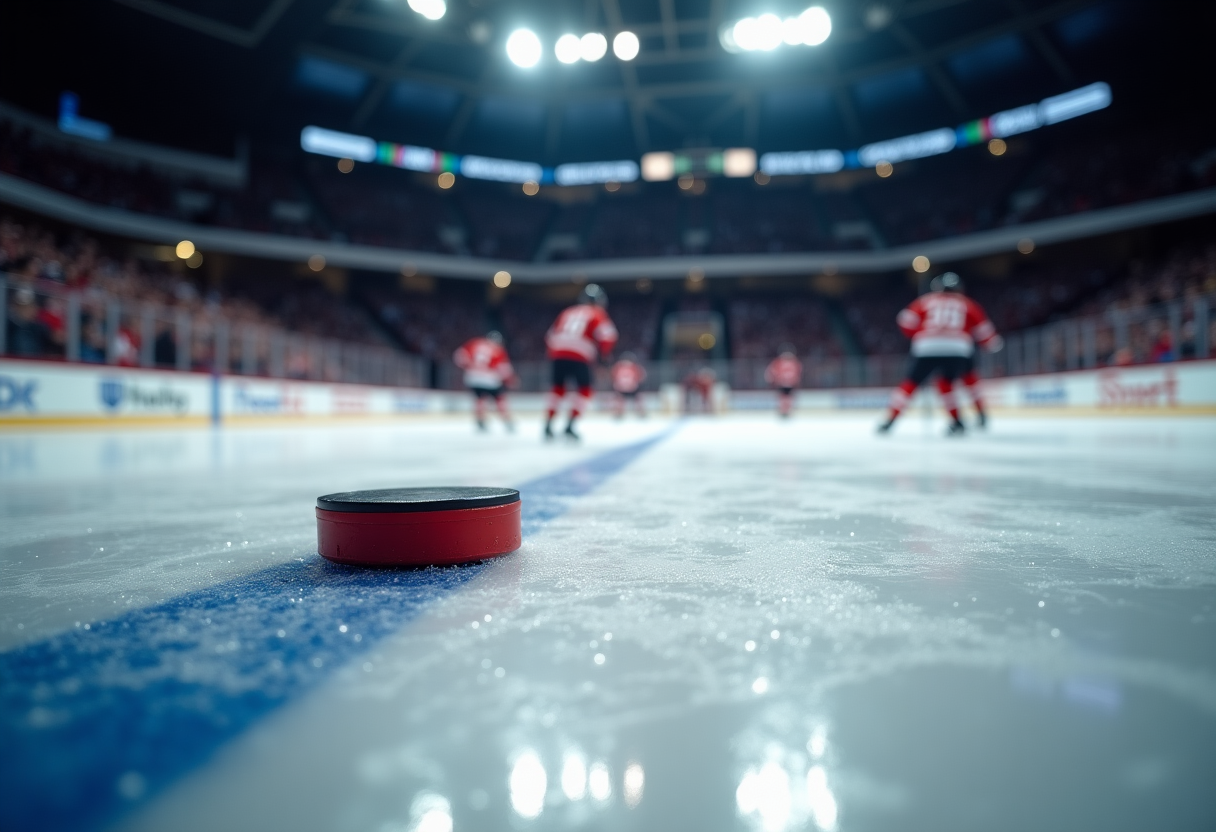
x=494 y=335
x=593 y=294
x=946 y=282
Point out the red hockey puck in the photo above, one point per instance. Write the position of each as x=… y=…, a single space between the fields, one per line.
x=418 y=526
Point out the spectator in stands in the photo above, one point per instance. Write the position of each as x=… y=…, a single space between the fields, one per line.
x=93 y=343
x=164 y=348
x=27 y=335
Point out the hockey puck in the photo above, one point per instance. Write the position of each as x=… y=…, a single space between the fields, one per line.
x=418 y=526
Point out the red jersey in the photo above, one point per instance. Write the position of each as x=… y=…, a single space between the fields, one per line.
x=627 y=376
x=784 y=371
x=580 y=332
x=484 y=362
x=945 y=323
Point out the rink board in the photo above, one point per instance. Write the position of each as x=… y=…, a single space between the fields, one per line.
x=50 y=393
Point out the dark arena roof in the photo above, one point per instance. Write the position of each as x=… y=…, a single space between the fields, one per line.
x=205 y=75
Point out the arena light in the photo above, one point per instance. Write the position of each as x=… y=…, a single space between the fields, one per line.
x=916 y=146
x=567 y=49
x=523 y=48
x=341 y=145
x=768 y=31
x=500 y=170
x=802 y=162
x=1075 y=103
x=658 y=166
x=626 y=46
x=185 y=250
x=592 y=47
x=594 y=173
x=738 y=162
x=815 y=26
x=430 y=9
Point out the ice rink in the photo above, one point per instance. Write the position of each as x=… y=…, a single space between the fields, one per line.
x=713 y=624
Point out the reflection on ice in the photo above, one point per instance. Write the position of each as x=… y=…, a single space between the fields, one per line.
x=527 y=785
x=574 y=776
x=600 y=781
x=766 y=793
x=818 y=742
x=787 y=789
x=430 y=813
x=635 y=781
x=820 y=799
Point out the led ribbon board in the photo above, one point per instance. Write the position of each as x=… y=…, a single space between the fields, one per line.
x=340 y=145
x=935 y=142
x=732 y=162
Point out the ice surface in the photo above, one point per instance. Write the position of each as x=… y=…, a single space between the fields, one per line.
x=754 y=625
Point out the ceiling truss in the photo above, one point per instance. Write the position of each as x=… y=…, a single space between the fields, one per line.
x=742 y=95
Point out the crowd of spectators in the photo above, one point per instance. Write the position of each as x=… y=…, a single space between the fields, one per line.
x=125 y=302
x=761 y=326
x=42 y=272
x=432 y=325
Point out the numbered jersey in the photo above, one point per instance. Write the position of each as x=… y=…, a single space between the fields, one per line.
x=945 y=323
x=784 y=372
x=580 y=332
x=627 y=377
x=484 y=362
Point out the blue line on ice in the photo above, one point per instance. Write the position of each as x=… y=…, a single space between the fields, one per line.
x=94 y=722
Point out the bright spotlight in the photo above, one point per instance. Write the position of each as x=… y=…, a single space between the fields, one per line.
x=747 y=34
x=502 y=279
x=430 y=9
x=791 y=31
x=769 y=32
x=523 y=48
x=185 y=249
x=626 y=46
x=726 y=37
x=766 y=32
x=816 y=25
x=920 y=263
x=567 y=49
x=593 y=46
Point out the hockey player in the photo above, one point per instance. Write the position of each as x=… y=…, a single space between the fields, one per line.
x=487 y=371
x=627 y=377
x=784 y=373
x=944 y=325
x=581 y=334
x=971 y=383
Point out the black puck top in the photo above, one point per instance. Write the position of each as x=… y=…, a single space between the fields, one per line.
x=399 y=500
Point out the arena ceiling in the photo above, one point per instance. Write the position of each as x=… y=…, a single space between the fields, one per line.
x=199 y=73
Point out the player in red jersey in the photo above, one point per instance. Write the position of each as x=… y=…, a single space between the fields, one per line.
x=784 y=373
x=944 y=325
x=581 y=334
x=971 y=383
x=487 y=371
x=627 y=377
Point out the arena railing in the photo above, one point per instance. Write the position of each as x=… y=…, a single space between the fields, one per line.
x=95 y=327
